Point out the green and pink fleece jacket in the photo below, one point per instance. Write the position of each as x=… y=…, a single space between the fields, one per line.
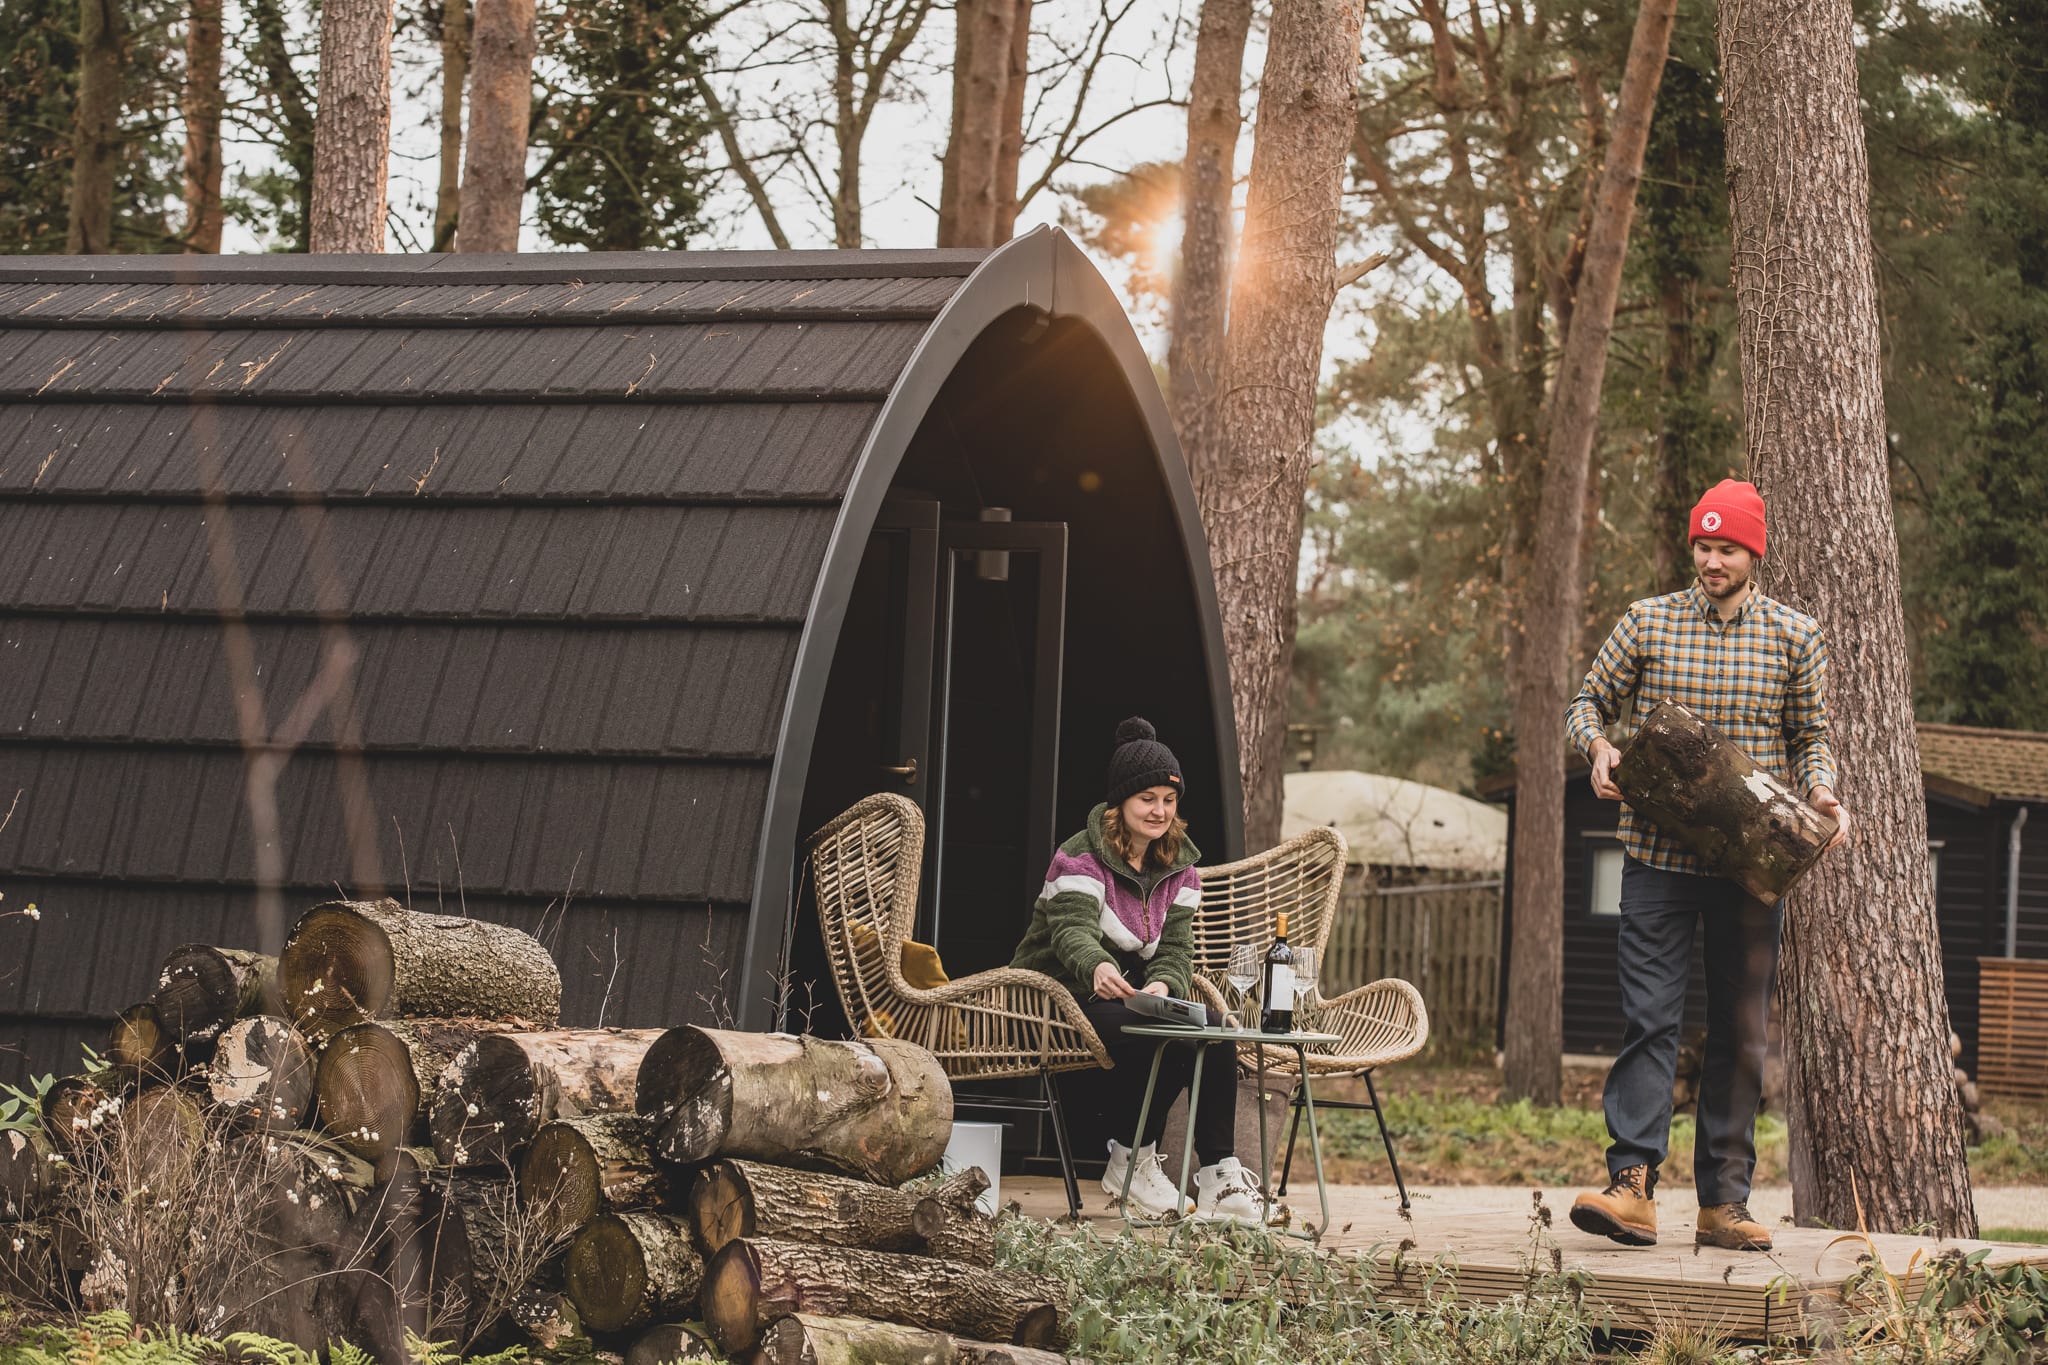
x=1094 y=909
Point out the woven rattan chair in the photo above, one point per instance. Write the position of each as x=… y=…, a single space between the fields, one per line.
x=1002 y=1023
x=1378 y=1024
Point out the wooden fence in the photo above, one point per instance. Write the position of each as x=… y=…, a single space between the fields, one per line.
x=1443 y=938
x=2012 y=1027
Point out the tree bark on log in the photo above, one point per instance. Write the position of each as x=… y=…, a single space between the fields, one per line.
x=669 y=1341
x=201 y=104
x=1873 y=1112
x=498 y=1091
x=352 y=126
x=95 y=129
x=546 y=1317
x=575 y=1169
x=351 y=961
x=1286 y=280
x=1700 y=788
x=202 y=989
x=372 y=1079
x=627 y=1270
x=1201 y=286
x=730 y=1200
x=754 y=1281
x=1553 y=600
x=454 y=76
x=139 y=1048
x=32 y=1174
x=1010 y=146
x=968 y=193
x=502 y=41
x=881 y=1109
x=263 y=1073
x=403 y=1267
x=807 y=1339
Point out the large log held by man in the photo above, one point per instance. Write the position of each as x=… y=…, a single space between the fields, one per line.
x=498 y=1091
x=757 y=1280
x=880 y=1109
x=1741 y=822
x=351 y=961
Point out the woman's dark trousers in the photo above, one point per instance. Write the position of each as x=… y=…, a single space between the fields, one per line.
x=1740 y=942
x=1116 y=1094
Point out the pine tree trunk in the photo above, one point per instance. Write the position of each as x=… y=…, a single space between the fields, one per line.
x=1010 y=152
x=350 y=961
x=754 y=1281
x=202 y=989
x=1280 y=303
x=1201 y=286
x=454 y=75
x=352 y=126
x=95 y=129
x=498 y=1091
x=880 y=1109
x=1860 y=982
x=806 y=1339
x=502 y=41
x=201 y=103
x=981 y=66
x=1555 y=593
x=730 y=1200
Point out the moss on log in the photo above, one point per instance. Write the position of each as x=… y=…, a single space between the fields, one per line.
x=496 y=1093
x=881 y=1109
x=347 y=962
x=1740 y=820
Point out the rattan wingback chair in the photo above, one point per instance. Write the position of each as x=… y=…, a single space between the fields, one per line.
x=1006 y=1022
x=1377 y=1024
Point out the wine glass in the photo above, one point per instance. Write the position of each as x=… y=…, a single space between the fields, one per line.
x=1304 y=977
x=1245 y=959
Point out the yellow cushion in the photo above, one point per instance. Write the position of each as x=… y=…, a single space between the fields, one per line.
x=922 y=971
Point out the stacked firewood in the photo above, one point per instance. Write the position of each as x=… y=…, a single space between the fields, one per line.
x=423 y=1151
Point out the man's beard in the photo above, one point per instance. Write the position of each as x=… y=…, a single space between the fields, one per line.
x=1730 y=587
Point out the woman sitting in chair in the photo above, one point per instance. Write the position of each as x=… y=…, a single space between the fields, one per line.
x=1117 y=918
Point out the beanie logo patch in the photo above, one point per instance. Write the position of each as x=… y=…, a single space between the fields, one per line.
x=1711 y=522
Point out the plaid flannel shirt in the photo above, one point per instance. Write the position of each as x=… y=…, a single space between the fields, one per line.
x=1760 y=677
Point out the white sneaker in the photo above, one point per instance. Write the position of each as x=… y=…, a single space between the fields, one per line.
x=1152 y=1194
x=1228 y=1193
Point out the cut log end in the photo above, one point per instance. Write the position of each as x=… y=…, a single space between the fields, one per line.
x=666 y=1342
x=336 y=970
x=368 y=1094
x=559 y=1175
x=203 y=989
x=629 y=1269
x=72 y=1107
x=139 y=1048
x=721 y=1206
x=263 y=1073
x=730 y=1298
x=31 y=1173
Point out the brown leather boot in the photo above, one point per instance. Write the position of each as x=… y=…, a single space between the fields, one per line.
x=1626 y=1210
x=1730 y=1227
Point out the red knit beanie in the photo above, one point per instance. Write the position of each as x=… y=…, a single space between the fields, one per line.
x=1731 y=510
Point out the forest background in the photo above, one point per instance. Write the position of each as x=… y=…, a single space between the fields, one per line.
x=681 y=123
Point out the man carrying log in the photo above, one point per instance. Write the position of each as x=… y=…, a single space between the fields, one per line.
x=1757 y=670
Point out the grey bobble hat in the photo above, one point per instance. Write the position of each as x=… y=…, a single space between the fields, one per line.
x=1140 y=761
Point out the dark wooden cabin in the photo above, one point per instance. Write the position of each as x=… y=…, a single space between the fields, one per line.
x=649 y=565
x=1978 y=783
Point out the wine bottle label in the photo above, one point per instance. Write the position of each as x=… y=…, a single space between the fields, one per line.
x=1280 y=990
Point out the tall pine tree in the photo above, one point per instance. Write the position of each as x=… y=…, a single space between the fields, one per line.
x=1988 y=656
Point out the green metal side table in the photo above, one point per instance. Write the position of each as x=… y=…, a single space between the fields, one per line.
x=1203 y=1039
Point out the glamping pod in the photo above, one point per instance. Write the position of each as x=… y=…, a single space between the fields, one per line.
x=577 y=590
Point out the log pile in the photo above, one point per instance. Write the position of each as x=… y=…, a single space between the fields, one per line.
x=390 y=1130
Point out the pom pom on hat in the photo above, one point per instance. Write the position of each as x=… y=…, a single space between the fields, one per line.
x=1140 y=761
x=1730 y=510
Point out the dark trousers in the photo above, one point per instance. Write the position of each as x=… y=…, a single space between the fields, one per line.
x=1658 y=912
x=1115 y=1095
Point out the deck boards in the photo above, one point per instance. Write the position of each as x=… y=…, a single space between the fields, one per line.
x=1785 y=1293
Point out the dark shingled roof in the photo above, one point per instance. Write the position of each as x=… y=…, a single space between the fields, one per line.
x=572 y=510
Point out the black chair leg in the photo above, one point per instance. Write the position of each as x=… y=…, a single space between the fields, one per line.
x=1386 y=1139
x=1293 y=1129
x=1059 y=1137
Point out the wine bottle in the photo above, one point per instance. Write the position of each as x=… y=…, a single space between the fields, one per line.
x=1276 y=994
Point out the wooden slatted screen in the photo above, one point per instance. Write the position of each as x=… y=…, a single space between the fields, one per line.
x=1442 y=938
x=2012 y=1027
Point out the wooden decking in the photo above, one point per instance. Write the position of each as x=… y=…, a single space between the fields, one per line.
x=1489 y=1254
